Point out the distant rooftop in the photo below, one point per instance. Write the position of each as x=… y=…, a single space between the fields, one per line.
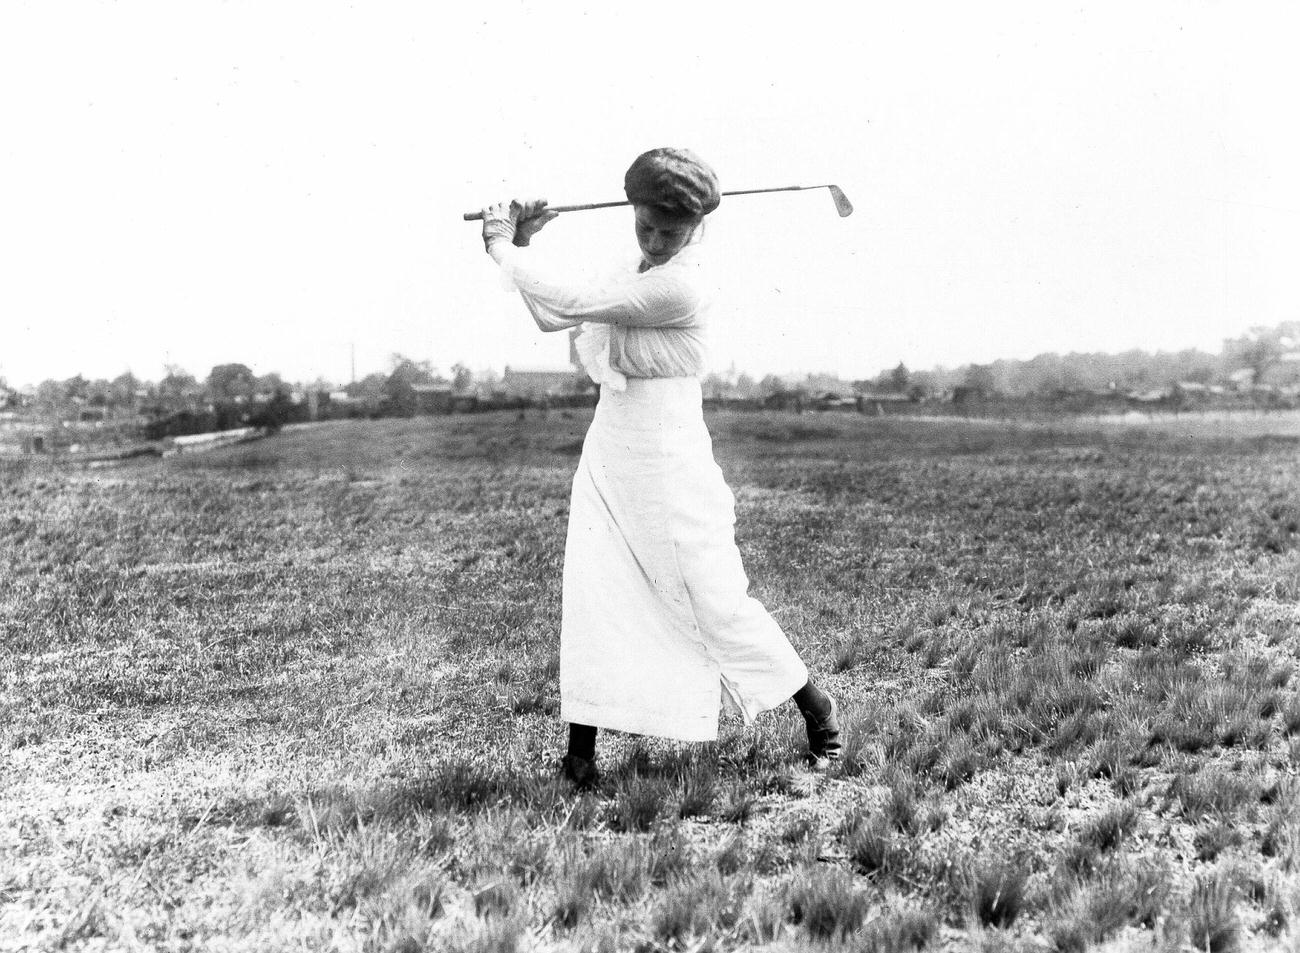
x=540 y=369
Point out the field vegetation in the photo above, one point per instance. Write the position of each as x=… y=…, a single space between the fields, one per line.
x=302 y=694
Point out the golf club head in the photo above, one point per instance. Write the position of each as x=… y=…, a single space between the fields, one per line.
x=842 y=203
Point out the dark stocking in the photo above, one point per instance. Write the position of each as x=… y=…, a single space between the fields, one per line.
x=582 y=741
x=818 y=710
x=813 y=702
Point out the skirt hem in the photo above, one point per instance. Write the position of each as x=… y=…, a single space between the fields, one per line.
x=638 y=723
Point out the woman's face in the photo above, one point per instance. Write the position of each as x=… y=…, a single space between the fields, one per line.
x=661 y=236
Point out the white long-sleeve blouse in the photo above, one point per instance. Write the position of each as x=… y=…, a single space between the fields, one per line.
x=635 y=323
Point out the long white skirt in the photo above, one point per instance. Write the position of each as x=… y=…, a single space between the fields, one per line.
x=658 y=627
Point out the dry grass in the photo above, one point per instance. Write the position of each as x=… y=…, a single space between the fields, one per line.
x=302 y=694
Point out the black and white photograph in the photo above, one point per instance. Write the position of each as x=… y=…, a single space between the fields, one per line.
x=665 y=478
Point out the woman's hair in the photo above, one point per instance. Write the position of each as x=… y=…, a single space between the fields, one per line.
x=677 y=182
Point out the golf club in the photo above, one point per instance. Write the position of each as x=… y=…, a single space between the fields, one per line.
x=842 y=203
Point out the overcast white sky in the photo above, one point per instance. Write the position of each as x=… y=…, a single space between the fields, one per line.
x=199 y=182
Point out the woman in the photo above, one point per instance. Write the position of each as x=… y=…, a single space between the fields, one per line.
x=657 y=621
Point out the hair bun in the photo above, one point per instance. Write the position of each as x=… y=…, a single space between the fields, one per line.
x=675 y=181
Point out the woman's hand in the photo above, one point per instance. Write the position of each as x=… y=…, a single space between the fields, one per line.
x=499 y=222
x=533 y=216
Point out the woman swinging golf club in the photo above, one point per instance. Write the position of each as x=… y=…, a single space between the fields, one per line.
x=657 y=622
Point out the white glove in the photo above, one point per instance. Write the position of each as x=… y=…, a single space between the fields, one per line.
x=499 y=222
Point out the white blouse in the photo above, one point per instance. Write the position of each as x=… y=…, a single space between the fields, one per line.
x=634 y=323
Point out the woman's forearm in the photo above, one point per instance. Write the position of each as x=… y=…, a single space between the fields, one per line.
x=497 y=249
x=650 y=301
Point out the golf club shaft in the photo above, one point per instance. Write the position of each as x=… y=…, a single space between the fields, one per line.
x=841 y=202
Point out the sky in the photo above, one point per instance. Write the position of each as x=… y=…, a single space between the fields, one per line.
x=282 y=184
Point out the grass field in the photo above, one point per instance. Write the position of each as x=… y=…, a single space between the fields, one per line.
x=302 y=694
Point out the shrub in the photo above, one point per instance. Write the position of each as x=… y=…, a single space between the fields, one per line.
x=1212 y=913
x=827 y=904
x=1119 y=893
x=1189 y=639
x=1281 y=837
x=902 y=802
x=667 y=854
x=1278 y=910
x=799 y=828
x=455 y=786
x=1096 y=912
x=870 y=844
x=1112 y=758
x=617 y=871
x=1070 y=934
x=958 y=761
x=693 y=907
x=934 y=651
x=1066 y=774
x=1213 y=792
x=1107 y=830
x=1290 y=712
x=995 y=890
x=1149 y=885
x=1078 y=730
x=1135 y=633
x=697 y=789
x=537 y=698
x=765 y=913
x=898 y=931
x=738 y=804
x=639 y=804
x=731 y=855
x=860 y=734
x=1228 y=711
x=1082 y=859
x=1212 y=839
x=849 y=654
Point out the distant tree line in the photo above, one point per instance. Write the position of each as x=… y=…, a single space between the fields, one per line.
x=1264 y=357
x=232 y=395
x=1267 y=354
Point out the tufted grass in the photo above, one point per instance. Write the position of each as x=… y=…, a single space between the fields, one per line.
x=303 y=694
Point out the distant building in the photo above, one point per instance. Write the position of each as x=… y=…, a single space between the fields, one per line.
x=338 y=403
x=433 y=398
x=536 y=382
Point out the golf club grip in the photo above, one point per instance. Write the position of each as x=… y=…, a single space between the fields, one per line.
x=476 y=216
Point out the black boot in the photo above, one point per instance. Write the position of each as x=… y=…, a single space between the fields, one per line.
x=580 y=772
x=821 y=717
x=579 y=765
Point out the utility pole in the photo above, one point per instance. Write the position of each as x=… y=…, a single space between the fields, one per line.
x=353 y=346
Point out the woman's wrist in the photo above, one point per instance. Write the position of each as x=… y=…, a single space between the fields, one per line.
x=499 y=222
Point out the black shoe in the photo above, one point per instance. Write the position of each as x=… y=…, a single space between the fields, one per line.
x=824 y=734
x=581 y=772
